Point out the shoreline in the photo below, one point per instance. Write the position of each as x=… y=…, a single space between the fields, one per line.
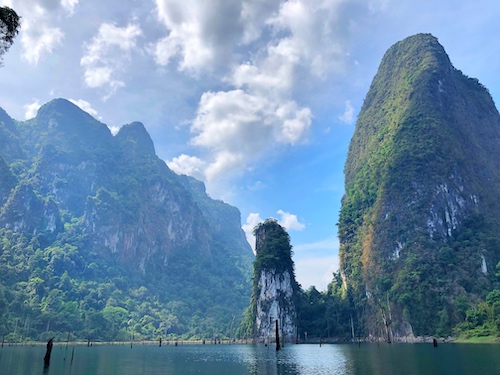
x=312 y=341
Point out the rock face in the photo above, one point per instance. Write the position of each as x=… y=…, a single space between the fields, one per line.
x=66 y=179
x=420 y=219
x=275 y=302
x=275 y=289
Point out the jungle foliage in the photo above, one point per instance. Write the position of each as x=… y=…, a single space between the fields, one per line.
x=99 y=239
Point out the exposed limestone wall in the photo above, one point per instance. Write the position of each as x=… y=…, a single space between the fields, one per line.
x=275 y=302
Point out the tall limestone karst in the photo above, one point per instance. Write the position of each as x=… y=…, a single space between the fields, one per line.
x=275 y=289
x=419 y=225
x=100 y=238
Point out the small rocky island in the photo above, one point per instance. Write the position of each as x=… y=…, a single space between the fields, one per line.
x=275 y=289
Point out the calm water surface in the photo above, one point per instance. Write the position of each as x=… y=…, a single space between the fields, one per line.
x=369 y=359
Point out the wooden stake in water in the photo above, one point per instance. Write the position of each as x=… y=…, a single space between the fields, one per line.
x=46 y=359
x=278 y=347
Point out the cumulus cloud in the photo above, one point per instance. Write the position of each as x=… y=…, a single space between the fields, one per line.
x=200 y=34
x=30 y=110
x=106 y=54
x=290 y=221
x=254 y=16
x=290 y=43
x=188 y=165
x=314 y=33
x=38 y=40
x=237 y=128
x=348 y=116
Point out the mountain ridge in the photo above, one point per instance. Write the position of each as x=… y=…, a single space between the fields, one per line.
x=103 y=212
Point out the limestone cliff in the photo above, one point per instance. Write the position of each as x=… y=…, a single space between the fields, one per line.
x=275 y=289
x=107 y=214
x=420 y=217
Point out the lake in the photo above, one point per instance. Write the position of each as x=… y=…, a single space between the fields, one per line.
x=341 y=359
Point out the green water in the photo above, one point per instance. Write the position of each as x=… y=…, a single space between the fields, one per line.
x=369 y=359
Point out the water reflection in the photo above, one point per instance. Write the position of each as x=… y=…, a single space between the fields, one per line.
x=368 y=359
x=294 y=360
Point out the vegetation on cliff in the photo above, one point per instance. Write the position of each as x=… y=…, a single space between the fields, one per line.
x=273 y=257
x=99 y=238
x=419 y=220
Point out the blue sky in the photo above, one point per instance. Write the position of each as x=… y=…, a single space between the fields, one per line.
x=257 y=98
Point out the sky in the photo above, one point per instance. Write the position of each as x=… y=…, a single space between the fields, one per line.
x=257 y=98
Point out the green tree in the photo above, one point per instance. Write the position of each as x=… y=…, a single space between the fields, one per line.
x=116 y=316
x=9 y=28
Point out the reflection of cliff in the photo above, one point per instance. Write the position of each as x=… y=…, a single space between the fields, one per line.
x=275 y=288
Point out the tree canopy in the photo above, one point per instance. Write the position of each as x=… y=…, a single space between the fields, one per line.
x=9 y=28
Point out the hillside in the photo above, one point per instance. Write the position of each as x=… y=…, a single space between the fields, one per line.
x=420 y=219
x=98 y=237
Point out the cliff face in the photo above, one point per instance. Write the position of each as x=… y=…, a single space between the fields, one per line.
x=420 y=217
x=275 y=289
x=66 y=180
x=275 y=302
x=131 y=204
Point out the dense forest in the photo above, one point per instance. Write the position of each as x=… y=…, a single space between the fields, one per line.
x=98 y=238
x=60 y=289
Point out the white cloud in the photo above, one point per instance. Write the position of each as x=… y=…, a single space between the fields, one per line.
x=348 y=115
x=188 y=165
x=314 y=36
x=106 y=54
x=294 y=122
x=254 y=16
x=293 y=43
x=85 y=106
x=290 y=221
x=69 y=5
x=237 y=128
x=38 y=38
x=201 y=33
x=114 y=129
x=97 y=76
x=30 y=110
x=252 y=220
